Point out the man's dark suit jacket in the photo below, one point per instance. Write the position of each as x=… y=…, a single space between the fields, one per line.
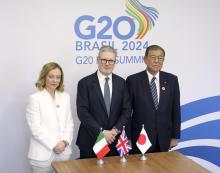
x=92 y=112
x=164 y=122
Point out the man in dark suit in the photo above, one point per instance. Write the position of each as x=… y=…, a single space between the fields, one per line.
x=102 y=102
x=155 y=100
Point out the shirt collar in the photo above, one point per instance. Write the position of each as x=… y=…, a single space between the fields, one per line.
x=150 y=76
x=102 y=77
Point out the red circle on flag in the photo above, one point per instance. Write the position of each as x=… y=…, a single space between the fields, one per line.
x=141 y=139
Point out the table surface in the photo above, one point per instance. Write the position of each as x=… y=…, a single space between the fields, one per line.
x=164 y=162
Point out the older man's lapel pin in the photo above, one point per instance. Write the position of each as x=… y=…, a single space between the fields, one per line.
x=163 y=87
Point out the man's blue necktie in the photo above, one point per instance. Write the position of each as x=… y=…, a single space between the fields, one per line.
x=154 y=92
x=107 y=95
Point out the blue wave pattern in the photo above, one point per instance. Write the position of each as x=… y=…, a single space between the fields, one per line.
x=205 y=130
x=208 y=130
x=200 y=107
x=210 y=154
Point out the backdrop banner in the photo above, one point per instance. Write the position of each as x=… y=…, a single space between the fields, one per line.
x=71 y=32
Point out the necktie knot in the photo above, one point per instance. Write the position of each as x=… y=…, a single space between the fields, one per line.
x=106 y=79
x=153 y=79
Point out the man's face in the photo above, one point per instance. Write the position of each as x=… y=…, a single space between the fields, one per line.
x=106 y=62
x=154 y=61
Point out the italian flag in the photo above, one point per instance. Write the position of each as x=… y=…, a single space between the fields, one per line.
x=101 y=146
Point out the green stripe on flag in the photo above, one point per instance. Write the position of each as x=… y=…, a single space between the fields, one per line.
x=100 y=137
x=101 y=146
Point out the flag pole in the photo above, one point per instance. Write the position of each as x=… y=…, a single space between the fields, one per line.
x=123 y=159
x=143 y=157
x=100 y=161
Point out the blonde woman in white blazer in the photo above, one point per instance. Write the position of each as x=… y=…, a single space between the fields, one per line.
x=50 y=120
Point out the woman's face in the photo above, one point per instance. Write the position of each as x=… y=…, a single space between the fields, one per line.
x=53 y=79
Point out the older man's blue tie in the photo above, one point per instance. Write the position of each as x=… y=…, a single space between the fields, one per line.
x=107 y=98
x=154 y=92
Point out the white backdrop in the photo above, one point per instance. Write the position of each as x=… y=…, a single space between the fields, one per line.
x=33 y=33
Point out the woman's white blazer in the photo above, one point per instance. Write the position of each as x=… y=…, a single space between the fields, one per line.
x=50 y=121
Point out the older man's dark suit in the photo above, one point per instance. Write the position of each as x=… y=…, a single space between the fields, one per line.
x=92 y=111
x=163 y=123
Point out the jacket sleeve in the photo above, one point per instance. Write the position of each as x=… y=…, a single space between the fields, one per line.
x=83 y=112
x=130 y=92
x=176 y=114
x=33 y=117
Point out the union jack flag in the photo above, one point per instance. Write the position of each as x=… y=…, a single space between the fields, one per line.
x=123 y=145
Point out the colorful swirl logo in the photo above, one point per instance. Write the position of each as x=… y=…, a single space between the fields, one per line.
x=200 y=137
x=145 y=16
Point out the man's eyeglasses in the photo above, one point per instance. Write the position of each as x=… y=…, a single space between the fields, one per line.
x=158 y=58
x=104 y=61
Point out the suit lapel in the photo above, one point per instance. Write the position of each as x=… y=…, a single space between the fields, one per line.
x=163 y=89
x=98 y=91
x=146 y=86
x=115 y=93
x=59 y=108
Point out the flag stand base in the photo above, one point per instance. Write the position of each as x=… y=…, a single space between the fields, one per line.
x=143 y=157
x=123 y=159
x=100 y=162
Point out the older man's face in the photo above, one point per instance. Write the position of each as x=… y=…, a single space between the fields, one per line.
x=106 y=63
x=154 y=61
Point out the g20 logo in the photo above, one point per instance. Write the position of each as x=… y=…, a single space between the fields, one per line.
x=107 y=24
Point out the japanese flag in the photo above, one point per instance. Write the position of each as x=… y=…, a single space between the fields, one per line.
x=143 y=142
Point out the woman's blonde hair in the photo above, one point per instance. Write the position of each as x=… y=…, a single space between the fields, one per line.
x=41 y=82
